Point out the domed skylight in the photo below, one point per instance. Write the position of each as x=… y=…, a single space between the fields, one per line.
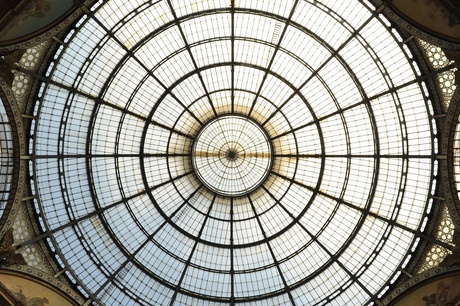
x=232 y=152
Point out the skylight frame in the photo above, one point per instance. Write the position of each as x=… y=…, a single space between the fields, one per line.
x=91 y=93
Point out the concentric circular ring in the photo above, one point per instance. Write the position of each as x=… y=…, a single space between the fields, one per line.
x=232 y=155
x=271 y=152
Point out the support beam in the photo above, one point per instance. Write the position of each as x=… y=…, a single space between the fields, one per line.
x=58 y=40
x=406 y=273
x=25 y=116
x=378 y=303
x=408 y=39
x=59 y=273
x=29 y=198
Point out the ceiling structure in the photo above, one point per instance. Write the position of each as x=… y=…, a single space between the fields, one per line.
x=6 y=158
x=234 y=152
x=260 y=151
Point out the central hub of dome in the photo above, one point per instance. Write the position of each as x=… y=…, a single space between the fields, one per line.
x=232 y=155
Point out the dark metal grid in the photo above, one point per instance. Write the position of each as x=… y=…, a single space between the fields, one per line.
x=455 y=156
x=226 y=174
x=178 y=227
x=231 y=223
x=6 y=158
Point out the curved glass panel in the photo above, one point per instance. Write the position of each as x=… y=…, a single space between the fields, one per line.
x=456 y=149
x=6 y=158
x=142 y=208
x=232 y=155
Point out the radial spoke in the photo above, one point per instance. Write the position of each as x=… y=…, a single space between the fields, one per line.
x=189 y=50
x=232 y=5
x=133 y=254
x=226 y=152
x=148 y=71
x=365 y=211
x=273 y=56
x=189 y=260
x=349 y=156
x=332 y=256
x=232 y=254
x=315 y=73
x=272 y=253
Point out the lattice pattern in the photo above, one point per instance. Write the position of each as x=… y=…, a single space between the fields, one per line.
x=437 y=253
x=23 y=232
x=446 y=80
x=456 y=157
x=31 y=58
x=446 y=227
x=21 y=86
x=23 y=82
x=6 y=158
x=330 y=84
x=433 y=258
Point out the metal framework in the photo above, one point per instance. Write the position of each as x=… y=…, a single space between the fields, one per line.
x=346 y=126
x=6 y=158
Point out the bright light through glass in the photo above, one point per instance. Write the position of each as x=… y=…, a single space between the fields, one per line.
x=273 y=152
x=232 y=155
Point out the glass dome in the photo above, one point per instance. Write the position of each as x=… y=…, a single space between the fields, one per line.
x=232 y=155
x=232 y=152
x=6 y=158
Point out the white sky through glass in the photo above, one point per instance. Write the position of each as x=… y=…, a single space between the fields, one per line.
x=330 y=84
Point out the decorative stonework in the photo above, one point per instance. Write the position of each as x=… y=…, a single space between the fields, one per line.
x=416 y=281
x=18 y=215
x=446 y=228
x=21 y=89
x=437 y=253
x=22 y=83
x=16 y=121
x=45 y=36
x=446 y=80
x=390 y=14
x=49 y=279
x=32 y=56
x=23 y=231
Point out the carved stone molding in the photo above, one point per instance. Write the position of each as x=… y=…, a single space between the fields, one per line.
x=415 y=31
x=48 y=279
x=73 y=17
x=19 y=176
x=418 y=280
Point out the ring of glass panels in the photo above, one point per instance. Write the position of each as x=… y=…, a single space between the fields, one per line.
x=232 y=155
x=6 y=158
x=330 y=83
